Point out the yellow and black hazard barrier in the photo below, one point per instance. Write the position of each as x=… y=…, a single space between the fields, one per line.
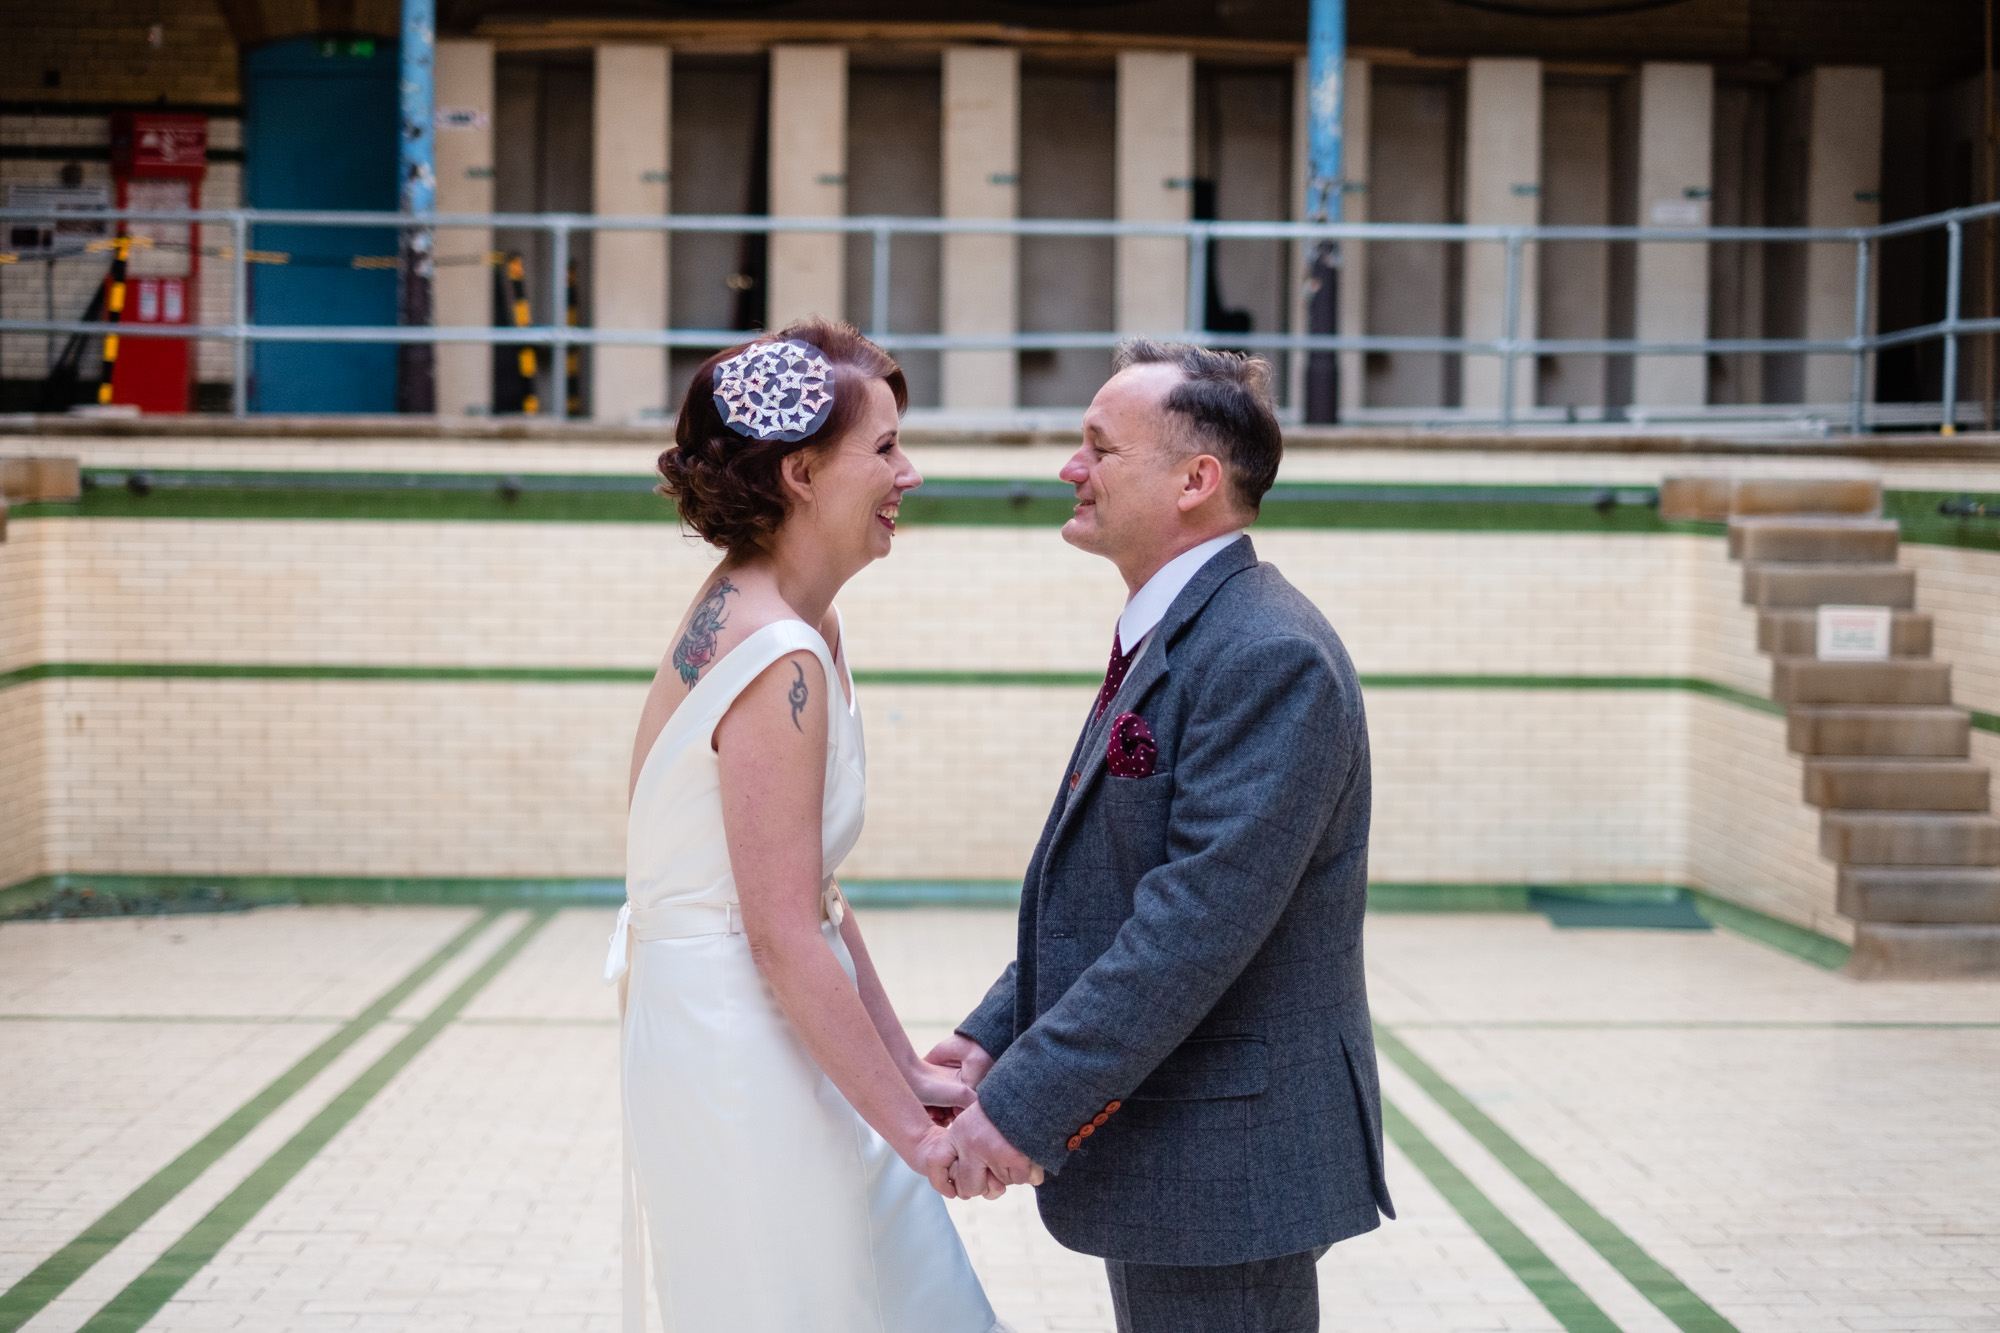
x=517 y=301
x=114 y=308
x=572 y=374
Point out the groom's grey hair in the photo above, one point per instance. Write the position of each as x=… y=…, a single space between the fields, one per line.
x=1221 y=406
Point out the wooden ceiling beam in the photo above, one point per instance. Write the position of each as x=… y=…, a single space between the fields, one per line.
x=735 y=37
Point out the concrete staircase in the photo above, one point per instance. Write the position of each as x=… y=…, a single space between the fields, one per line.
x=1905 y=814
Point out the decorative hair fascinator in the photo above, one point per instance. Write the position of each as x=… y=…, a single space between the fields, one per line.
x=775 y=390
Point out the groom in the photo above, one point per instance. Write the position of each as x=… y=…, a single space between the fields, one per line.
x=1182 y=1041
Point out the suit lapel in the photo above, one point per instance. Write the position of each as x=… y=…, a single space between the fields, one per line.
x=1152 y=667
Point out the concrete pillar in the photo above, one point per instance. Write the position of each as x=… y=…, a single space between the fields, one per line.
x=982 y=163
x=808 y=179
x=463 y=293
x=1843 y=189
x=1676 y=113
x=1155 y=184
x=628 y=269
x=1358 y=97
x=1503 y=187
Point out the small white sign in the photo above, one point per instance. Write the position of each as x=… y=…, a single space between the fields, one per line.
x=1677 y=213
x=1855 y=633
x=459 y=118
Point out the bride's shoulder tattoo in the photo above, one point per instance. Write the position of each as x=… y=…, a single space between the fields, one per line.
x=695 y=652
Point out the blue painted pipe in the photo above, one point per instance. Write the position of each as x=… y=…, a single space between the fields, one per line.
x=417 y=158
x=1326 y=95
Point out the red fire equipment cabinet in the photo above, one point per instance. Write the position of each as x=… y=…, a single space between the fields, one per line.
x=157 y=161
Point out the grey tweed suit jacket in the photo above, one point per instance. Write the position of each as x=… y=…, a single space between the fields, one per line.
x=1188 y=978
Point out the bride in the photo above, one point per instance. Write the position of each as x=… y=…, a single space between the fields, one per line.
x=785 y=1143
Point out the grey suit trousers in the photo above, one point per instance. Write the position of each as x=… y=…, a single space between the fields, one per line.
x=1263 y=1296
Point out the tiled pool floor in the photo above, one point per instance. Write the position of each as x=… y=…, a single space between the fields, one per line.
x=405 y=1118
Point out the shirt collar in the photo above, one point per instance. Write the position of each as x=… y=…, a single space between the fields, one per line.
x=1148 y=605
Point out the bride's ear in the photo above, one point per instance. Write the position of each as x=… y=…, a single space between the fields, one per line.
x=795 y=474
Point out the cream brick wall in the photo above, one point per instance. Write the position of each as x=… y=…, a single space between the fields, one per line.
x=245 y=777
x=1470 y=602
x=23 y=774
x=478 y=779
x=956 y=598
x=1961 y=590
x=1543 y=786
x=497 y=779
x=23 y=560
x=399 y=777
x=1720 y=643
x=1751 y=836
x=960 y=780
x=388 y=593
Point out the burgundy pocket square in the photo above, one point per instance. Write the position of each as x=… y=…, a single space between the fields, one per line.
x=1132 y=753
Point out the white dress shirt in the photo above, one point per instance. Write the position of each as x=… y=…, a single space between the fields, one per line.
x=1145 y=607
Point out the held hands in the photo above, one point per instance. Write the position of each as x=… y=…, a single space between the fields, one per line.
x=963 y=1055
x=940 y=1089
x=972 y=1159
x=985 y=1162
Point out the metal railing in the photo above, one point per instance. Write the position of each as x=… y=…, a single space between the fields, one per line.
x=1509 y=347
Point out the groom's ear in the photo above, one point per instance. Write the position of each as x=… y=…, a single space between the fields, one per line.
x=1202 y=480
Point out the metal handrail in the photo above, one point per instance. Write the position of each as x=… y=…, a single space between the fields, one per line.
x=1509 y=347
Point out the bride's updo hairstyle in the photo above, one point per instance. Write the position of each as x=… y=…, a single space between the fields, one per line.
x=728 y=485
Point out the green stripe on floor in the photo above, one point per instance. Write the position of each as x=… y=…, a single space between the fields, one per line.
x=142 y=1298
x=1572 y=1308
x=53 y=1275
x=1674 y=1298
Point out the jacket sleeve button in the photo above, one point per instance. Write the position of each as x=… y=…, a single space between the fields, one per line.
x=1111 y=1107
x=1075 y=1142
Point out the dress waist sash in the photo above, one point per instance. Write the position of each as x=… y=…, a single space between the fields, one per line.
x=681 y=921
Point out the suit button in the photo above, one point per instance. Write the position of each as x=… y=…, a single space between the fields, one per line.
x=1075 y=1142
x=1074 y=778
x=1112 y=1107
x=1086 y=1131
x=1102 y=1116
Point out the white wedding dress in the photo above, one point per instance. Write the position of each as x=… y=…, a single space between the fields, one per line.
x=769 y=1205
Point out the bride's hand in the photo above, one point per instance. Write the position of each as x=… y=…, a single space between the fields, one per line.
x=936 y=1155
x=939 y=1089
x=932 y=1157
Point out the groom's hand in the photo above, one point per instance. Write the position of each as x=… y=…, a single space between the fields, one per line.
x=983 y=1151
x=962 y=1053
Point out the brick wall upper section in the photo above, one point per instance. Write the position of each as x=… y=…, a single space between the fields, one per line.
x=97 y=51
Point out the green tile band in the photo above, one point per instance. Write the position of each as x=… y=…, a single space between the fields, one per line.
x=54 y=1275
x=1559 y=1295
x=555 y=675
x=1672 y=1297
x=142 y=1298
x=1928 y=518
x=1383 y=896
x=138 y=492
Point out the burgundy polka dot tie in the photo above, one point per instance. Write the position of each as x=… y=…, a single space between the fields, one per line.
x=1114 y=675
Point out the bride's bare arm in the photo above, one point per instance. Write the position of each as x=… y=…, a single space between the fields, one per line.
x=771 y=748
x=935 y=1085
